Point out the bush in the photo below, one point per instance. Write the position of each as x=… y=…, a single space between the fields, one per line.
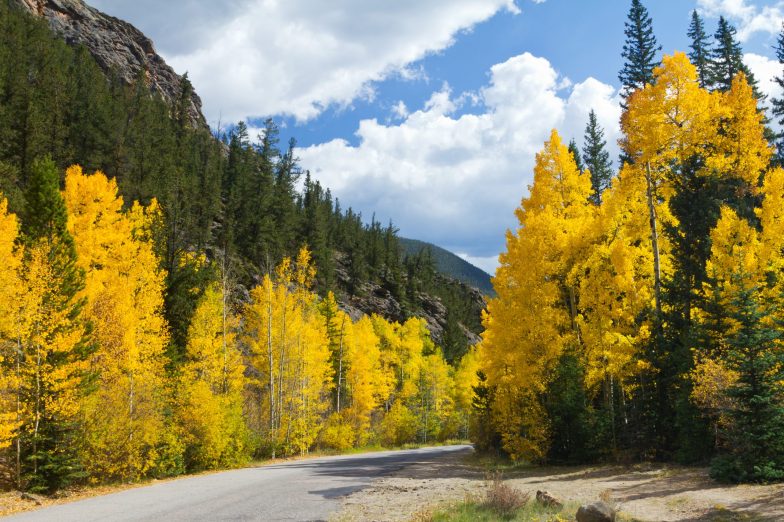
x=503 y=499
x=731 y=468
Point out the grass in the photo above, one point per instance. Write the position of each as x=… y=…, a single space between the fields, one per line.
x=476 y=510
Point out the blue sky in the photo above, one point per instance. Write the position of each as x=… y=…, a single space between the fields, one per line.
x=426 y=112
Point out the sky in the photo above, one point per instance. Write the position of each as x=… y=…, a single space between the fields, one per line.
x=428 y=113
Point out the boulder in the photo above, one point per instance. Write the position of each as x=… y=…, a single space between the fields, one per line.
x=596 y=512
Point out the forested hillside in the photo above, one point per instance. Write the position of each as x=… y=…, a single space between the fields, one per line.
x=235 y=195
x=450 y=264
x=639 y=312
x=173 y=300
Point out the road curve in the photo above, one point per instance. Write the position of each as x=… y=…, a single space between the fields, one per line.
x=308 y=489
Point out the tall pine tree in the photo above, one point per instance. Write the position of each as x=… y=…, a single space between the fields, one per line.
x=777 y=104
x=55 y=345
x=596 y=157
x=700 y=54
x=578 y=160
x=639 y=50
x=727 y=60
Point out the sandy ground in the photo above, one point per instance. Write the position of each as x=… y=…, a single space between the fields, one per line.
x=643 y=492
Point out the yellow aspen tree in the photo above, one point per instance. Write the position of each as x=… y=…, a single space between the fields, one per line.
x=737 y=145
x=289 y=348
x=666 y=123
x=51 y=365
x=53 y=342
x=435 y=398
x=466 y=378
x=616 y=286
x=124 y=415
x=402 y=347
x=364 y=378
x=535 y=315
x=11 y=321
x=211 y=386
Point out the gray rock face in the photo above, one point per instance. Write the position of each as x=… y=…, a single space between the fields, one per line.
x=116 y=45
x=377 y=300
x=596 y=512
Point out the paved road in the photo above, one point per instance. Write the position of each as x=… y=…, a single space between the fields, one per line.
x=307 y=489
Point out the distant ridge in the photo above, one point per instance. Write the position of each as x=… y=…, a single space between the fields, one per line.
x=451 y=265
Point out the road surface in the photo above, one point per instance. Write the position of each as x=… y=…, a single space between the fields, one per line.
x=308 y=489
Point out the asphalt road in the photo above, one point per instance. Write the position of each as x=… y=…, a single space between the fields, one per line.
x=308 y=489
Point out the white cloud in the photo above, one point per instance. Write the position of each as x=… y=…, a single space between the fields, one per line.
x=250 y=58
x=765 y=71
x=749 y=18
x=399 y=110
x=455 y=179
x=488 y=264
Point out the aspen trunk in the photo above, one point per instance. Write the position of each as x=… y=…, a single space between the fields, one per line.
x=654 y=238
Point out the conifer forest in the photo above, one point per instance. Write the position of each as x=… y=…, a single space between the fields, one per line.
x=172 y=296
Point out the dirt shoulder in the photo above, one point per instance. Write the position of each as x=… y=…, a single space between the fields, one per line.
x=643 y=492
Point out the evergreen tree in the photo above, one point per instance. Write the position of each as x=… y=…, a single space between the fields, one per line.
x=578 y=160
x=58 y=341
x=639 y=50
x=777 y=104
x=727 y=60
x=754 y=352
x=597 y=159
x=700 y=49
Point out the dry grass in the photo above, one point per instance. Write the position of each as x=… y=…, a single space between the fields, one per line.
x=502 y=498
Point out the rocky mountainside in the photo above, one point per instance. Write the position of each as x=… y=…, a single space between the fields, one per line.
x=373 y=298
x=120 y=49
x=116 y=45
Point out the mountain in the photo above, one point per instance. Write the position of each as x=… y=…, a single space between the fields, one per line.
x=118 y=47
x=451 y=265
x=98 y=95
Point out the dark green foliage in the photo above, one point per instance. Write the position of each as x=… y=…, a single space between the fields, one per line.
x=756 y=436
x=575 y=151
x=727 y=60
x=639 y=50
x=580 y=433
x=451 y=265
x=597 y=159
x=700 y=51
x=234 y=195
x=483 y=434
x=777 y=104
x=48 y=453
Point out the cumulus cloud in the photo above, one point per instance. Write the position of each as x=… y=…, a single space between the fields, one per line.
x=455 y=179
x=749 y=18
x=251 y=58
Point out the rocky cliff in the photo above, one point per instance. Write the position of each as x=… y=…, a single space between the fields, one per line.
x=373 y=298
x=116 y=45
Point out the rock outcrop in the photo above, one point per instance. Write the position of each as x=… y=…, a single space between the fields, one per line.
x=375 y=299
x=116 y=45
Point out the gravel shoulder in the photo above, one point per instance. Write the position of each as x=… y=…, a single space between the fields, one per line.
x=642 y=492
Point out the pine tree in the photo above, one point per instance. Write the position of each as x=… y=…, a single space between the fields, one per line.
x=55 y=346
x=700 y=54
x=777 y=104
x=597 y=159
x=639 y=50
x=578 y=160
x=727 y=60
